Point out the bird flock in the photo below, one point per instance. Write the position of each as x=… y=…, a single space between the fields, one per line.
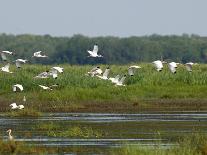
x=117 y=80
x=53 y=72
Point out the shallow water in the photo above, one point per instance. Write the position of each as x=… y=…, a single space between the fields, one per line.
x=135 y=129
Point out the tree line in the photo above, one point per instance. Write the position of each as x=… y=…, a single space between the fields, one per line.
x=73 y=50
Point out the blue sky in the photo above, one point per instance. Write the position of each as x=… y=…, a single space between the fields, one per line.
x=121 y=18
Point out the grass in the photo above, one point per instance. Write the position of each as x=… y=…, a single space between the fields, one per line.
x=194 y=144
x=56 y=130
x=23 y=113
x=78 y=92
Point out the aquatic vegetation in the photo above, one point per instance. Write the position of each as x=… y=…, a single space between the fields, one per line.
x=55 y=130
x=23 y=113
x=12 y=147
x=194 y=144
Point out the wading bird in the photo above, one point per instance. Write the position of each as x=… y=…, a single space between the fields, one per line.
x=158 y=65
x=43 y=75
x=94 y=53
x=105 y=74
x=48 y=88
x=10 y=137
x=173 y=66
x=4 y=53
x=121 y=81
x=6 y=68
x=95 y=71
x=115 y=79
x=17 y=87
x=15 y=106
x=18 y=62
x=38 y=55
x=131 y=70
x=189 y=66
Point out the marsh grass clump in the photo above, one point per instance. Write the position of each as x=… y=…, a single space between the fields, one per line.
x=55 y=130
x=24 y=113
x=192 y=144
x=76 y=90
x=12 y=147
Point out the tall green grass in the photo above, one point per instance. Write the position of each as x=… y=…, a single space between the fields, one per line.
x=193 y=144
x=75 y=88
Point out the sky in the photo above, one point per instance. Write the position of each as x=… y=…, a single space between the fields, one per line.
x=122 y=18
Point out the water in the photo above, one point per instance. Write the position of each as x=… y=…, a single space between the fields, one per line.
x=119 y=129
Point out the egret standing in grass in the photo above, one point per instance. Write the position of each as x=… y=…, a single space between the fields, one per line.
x=10 y=137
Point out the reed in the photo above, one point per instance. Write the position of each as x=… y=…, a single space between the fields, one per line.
x=76 y=89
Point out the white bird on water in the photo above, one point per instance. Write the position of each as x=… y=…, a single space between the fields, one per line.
x=158 y=65
x=6 y=68
x=18 y=62
x=38 y=55
x=131 y=70
x=15 y=106
x=4 y=53
x=105 y=74
x=17 y=86
x=10 y=137
x=94 y=53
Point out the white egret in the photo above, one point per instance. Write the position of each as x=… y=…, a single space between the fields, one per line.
x=43 y=75
x=115 y=79
x=55 y=70
x=95 y=71
x=105 y=74
x=24 y=99
x=189 y=66
x=17 y=86
x=15 y=106
x=45 y=87
x=94 y=53
x=18 y=62
x=59 y=69
x=6 y=68
x=10 y=137
x=4 y=53
x=158 y=65
x=131 y=70
x=38 y=55
x=121 y=81
x=173 y=66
